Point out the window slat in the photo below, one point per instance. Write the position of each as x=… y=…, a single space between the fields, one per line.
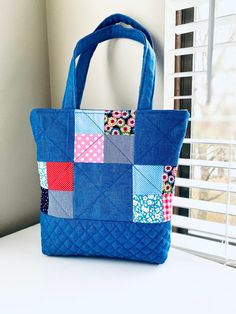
x=207 y=163
x=207 y=248
x=206 y=185
x=204 y=205
x=208 y=141
x=204 y=226
x=203 y=24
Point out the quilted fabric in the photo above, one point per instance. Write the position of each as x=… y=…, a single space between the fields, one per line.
x=107 y=176
x=134 y=241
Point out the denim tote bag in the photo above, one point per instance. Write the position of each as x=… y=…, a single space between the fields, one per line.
x=107 y=176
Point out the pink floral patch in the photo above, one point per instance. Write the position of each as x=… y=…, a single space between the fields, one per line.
x=89 y=148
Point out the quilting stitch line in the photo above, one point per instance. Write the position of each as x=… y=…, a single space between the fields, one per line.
x=103 y=192
x=155 y=144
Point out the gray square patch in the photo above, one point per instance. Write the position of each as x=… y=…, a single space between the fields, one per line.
x=60 y=204
x=119 y=149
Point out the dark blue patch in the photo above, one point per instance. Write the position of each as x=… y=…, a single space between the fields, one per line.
x=44 y=201
x=125 y=240
x=103 y=191
x=158 y=136
x=53 y=131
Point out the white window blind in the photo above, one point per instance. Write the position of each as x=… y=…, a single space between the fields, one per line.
x=200 y=76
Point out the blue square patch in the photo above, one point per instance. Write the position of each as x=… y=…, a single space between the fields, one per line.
x=147 y=179
x=159 y=135
x=103 y=191
x=53 y=131
x=89 y=122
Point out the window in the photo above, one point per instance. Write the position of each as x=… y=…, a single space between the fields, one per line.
x=200 y=76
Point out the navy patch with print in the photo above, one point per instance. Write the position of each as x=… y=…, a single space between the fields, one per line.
x=44 y=200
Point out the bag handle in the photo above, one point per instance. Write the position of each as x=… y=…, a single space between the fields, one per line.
x=121 y=18
x=85 y=58
x=109 y=32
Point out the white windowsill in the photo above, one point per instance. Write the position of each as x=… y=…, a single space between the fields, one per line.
x=34 y=283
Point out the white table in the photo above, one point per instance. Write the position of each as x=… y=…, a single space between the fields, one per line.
x=33 y=283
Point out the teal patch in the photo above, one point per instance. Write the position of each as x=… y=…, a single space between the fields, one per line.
x=147 y=208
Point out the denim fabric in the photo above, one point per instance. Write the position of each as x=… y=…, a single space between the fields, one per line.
x=61 y=204
x=53 y=131
x=119 y=149
x=126 y=240
x=159 y=136
x=103 y=191
x=85 y=58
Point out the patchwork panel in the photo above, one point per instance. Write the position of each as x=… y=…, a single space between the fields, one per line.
x=158 y=136
x=44 y=201
x=43 y=174
x=167 y=201
x=89 y=148
x=147 y=208
x=169 y=179
x=89 y=122
x=60 y=204
x=110 y=192
x=60 y=176
x=121 y=187
x=147 y=179
x=119 y=122
x=119 y=149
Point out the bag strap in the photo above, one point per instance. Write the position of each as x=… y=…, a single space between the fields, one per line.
x=106 y=33
x=121 y=18
x=85 y=58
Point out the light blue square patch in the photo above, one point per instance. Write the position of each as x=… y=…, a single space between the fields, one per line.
x=147 y=179
x=42 y=169
x=89 y=122
x=147 y=208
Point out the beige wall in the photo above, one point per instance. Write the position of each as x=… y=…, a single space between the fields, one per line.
x=24 y=84
x=114 y=74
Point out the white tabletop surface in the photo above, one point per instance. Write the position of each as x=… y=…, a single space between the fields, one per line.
x=33 y=283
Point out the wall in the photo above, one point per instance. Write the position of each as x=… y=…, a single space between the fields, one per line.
x=114 y=74
x=24 y=84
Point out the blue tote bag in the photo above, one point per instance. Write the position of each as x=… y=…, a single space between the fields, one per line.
x=107 y=176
